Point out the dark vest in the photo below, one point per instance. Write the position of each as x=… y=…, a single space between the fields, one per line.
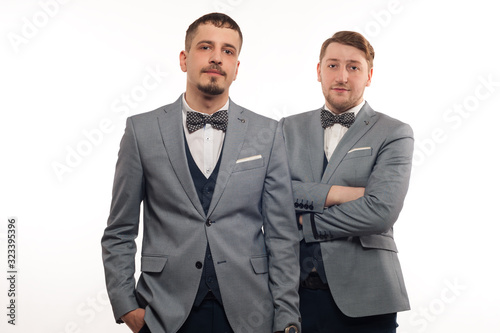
x=205 y=189
x=310 y=253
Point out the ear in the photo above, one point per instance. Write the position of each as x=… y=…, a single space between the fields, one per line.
x=318 y=69
x=236 y=72
x=370 y=74
x=182 y=61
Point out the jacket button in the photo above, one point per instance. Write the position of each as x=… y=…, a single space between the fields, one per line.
x=208 y=223
x=199 y=265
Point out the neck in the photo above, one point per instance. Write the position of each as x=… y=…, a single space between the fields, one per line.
x=206 y=103
x=342 y=108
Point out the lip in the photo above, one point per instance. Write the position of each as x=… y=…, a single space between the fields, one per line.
x=340 y=90
x=213 y=72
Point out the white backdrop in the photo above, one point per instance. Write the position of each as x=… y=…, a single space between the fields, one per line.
x=72 y=70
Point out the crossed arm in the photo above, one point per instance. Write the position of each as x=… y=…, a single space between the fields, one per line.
x=356 y=214
x=341 y=194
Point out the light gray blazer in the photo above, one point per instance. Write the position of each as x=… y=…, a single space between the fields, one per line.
x=357 y=244
x=258 y=272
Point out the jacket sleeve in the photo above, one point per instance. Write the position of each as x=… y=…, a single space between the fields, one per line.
x=377 y=211
x=314 y=195
x=281 y=237
x=118 y=241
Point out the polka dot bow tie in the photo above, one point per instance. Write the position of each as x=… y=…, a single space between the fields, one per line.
x=196 y=120
x=329 y=119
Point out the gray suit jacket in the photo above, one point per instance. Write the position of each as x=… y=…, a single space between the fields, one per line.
x=257 y=271
x=357 y=244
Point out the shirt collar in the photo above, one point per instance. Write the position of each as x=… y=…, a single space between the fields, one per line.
x=355 y=109
x=186 y=107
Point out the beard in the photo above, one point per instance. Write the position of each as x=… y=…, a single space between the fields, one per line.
x=340 y=104
x=211 y=88
x=340 y=107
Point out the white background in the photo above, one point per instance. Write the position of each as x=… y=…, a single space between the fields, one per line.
x=71 y=71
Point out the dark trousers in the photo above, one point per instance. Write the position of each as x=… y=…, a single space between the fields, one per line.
x=209 y=317
x=144 y=329
x=320 y=314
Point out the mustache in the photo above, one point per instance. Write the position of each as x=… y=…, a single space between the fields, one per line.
x=213 y=67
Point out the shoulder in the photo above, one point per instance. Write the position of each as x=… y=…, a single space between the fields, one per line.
x=298 y=121
x=156 y=112
x=386 y=123
x=300 y=117
x=253 y=118
x=393 y=125
x=145 y=116
x=152 y=116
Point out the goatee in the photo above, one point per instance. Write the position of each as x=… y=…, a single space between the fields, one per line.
x=211 y=89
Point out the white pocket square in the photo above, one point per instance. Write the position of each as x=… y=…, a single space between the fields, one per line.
x=360 y=148
x=250 y=158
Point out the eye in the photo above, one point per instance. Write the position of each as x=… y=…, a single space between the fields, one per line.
x=229 y=52
x=332 y=66
x=354 y=68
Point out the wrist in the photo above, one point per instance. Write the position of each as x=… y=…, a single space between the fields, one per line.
x=291 y=329
x=332 y=197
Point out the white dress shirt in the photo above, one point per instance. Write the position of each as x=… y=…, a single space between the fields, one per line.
x=334 y=134
x=204 y=144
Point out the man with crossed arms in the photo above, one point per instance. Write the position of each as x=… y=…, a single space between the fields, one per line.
x=349 y=182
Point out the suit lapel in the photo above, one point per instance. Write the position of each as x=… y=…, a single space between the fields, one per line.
x=233 y=141
x=172 y=132
x=365 y=119
x=315 y=140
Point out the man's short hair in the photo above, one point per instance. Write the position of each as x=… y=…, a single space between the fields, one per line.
x=219 y=20
x=350 y=38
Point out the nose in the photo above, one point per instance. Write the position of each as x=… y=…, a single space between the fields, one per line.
x=342 y=75
x=216 y=57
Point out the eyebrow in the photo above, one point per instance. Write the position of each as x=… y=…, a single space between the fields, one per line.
x=212 y=43
x=349 y=60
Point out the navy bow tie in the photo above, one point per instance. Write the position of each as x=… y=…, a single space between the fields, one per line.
x=196 y=120
x=329 y=119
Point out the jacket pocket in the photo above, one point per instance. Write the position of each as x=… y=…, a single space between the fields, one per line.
x=248 y=164
x=381 y=242
x=358 y=152
x=260 y=264
x=153 y=264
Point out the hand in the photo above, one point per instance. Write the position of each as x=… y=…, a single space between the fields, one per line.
x=300 y=219
x=134 y=319
x=342 y=194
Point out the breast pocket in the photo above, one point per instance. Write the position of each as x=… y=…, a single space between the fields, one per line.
x=358 y=152
x=249 y=163
x=357 y=166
